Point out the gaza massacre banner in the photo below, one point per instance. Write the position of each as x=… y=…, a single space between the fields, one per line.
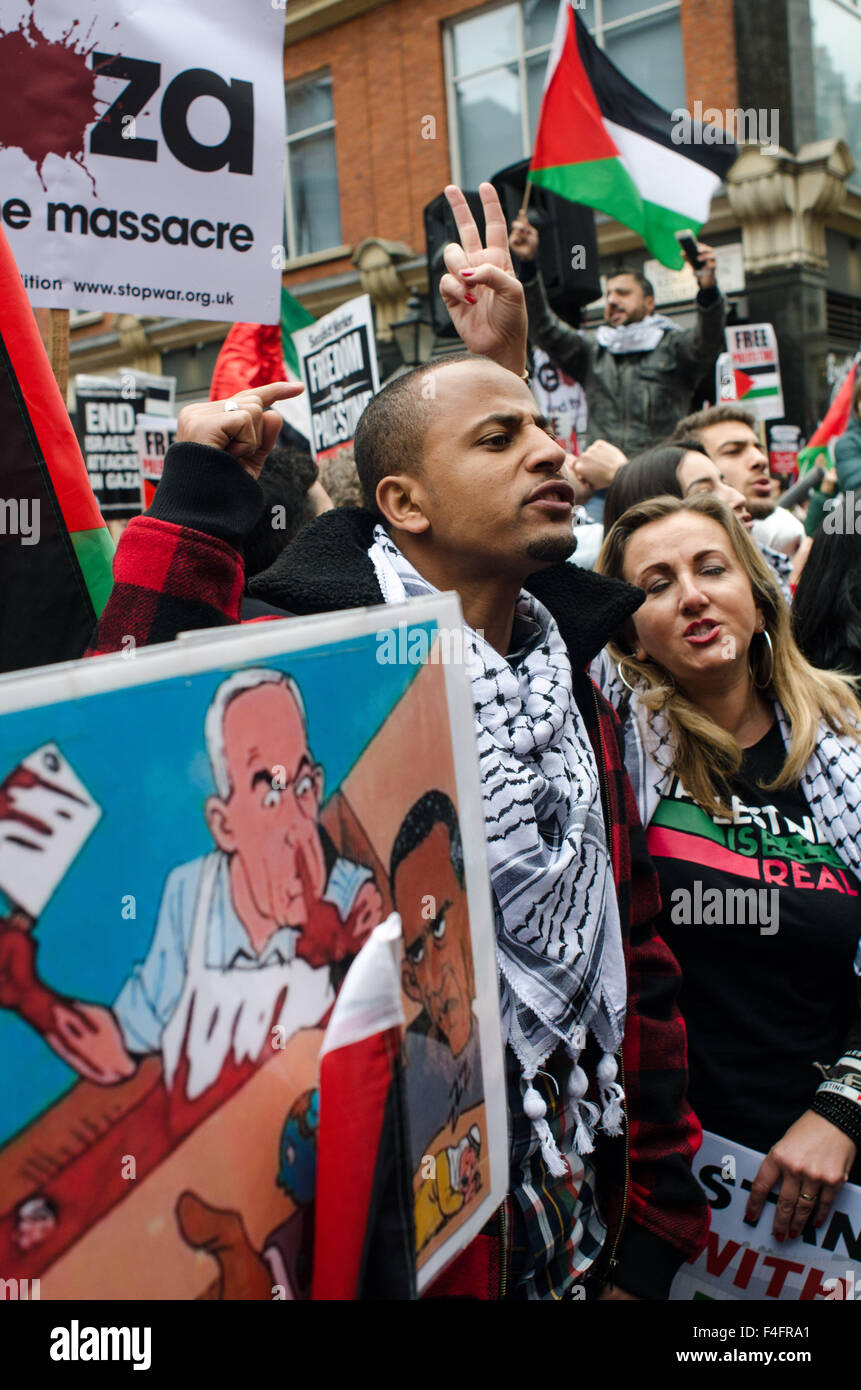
x=338 y=361
x=142 y=155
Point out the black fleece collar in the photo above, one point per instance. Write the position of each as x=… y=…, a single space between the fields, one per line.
x=326 y=567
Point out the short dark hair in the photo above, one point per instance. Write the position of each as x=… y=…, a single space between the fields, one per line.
x=434 y=808
x=645 y=285
x=391 y=429
x=692 y=425
x=285 y=479
x=650 y=474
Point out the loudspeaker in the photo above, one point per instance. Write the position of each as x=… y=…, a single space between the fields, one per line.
x=562 y=227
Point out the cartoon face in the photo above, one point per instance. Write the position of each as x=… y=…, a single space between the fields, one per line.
x=469 y=1173
x=35 y=1220
x=270 y=819
x=437 y=969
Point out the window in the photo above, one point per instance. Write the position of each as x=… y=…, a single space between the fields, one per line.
x=496 y=61
x=837 y=74
x=312 y=210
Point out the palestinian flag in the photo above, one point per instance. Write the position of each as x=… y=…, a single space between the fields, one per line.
x=364 y=1233
x=833 y=425
x=256 y=353
x=55 y=550
x=293 y=316
x=602 y=142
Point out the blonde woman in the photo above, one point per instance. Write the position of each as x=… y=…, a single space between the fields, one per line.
x=747 y=767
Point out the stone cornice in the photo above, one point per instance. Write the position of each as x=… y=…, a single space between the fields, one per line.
x=784 y=202
x=306 y=17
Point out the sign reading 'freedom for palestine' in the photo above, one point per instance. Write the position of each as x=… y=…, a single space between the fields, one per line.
x=142 y=155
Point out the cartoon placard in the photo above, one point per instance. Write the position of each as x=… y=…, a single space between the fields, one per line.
x=178 y=912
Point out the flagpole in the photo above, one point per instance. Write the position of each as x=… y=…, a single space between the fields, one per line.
x=527 y=193
x=59 y=349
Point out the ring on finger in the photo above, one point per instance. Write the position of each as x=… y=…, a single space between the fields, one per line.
x=808 y=1196
x=232 y=405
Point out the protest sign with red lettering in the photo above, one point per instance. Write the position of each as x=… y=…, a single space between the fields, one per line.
x=338 y=362
x=154 y=435
x=783 y=450
x=746 y=1262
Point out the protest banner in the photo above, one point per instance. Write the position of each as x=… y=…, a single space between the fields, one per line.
x=159 y=1127
x=746 y=1262
x=562 y=400
x=783 y=451
x=724 y=379
x=156 y=184
x=756 y=369
x=106 y=412
x=338 y=362
x=154 y=435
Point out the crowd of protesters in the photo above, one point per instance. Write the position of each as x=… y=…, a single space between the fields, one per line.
x=656 y=700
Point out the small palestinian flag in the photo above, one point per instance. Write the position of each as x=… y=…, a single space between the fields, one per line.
x=602 y=142
x=364 y=1233
x=834 y=424
x=254 y=354
x=55 y=550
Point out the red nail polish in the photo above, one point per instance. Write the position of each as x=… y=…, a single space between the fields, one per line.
x=470 y=299
x=781 y=1238
x=465 y=273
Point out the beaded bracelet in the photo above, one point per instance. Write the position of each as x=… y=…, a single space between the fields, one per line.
x=844 y=1114
x=838 y=1097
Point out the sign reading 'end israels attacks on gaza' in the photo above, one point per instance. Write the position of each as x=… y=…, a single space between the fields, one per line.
x=142 y=154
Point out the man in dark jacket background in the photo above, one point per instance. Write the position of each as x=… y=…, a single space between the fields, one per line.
x=638 y=369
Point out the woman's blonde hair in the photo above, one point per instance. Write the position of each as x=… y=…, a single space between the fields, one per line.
x=706 y=755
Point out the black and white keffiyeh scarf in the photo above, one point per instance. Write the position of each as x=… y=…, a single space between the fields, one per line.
x=642 y=336
x=559 y=944
x=831 y=780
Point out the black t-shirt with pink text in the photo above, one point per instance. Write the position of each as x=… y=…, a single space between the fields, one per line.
x=764 y=919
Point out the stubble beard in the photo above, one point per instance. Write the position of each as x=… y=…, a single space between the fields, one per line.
x=552 y=548
x=760 y=507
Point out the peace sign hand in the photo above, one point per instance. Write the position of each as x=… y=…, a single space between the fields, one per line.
x=480 y=289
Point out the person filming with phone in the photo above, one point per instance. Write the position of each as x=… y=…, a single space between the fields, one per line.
x=638 y=369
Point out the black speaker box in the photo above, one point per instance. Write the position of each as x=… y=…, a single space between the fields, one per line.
x=562 y=227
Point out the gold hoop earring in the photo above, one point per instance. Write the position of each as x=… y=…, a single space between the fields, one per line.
x=770 y=677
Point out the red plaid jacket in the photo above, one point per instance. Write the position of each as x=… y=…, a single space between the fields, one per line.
x=179 y=568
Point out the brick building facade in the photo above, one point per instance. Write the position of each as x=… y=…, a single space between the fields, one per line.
x=388 y=73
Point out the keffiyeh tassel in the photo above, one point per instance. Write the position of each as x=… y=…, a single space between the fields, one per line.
x=536 y=1111
x=586 y=1113
x=612 y=1095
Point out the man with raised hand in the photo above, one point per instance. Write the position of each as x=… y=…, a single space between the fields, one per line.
x=638 y=368
x=463 y=489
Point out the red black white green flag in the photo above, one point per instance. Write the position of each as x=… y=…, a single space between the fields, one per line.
x=602 y=142
x=55 y=550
